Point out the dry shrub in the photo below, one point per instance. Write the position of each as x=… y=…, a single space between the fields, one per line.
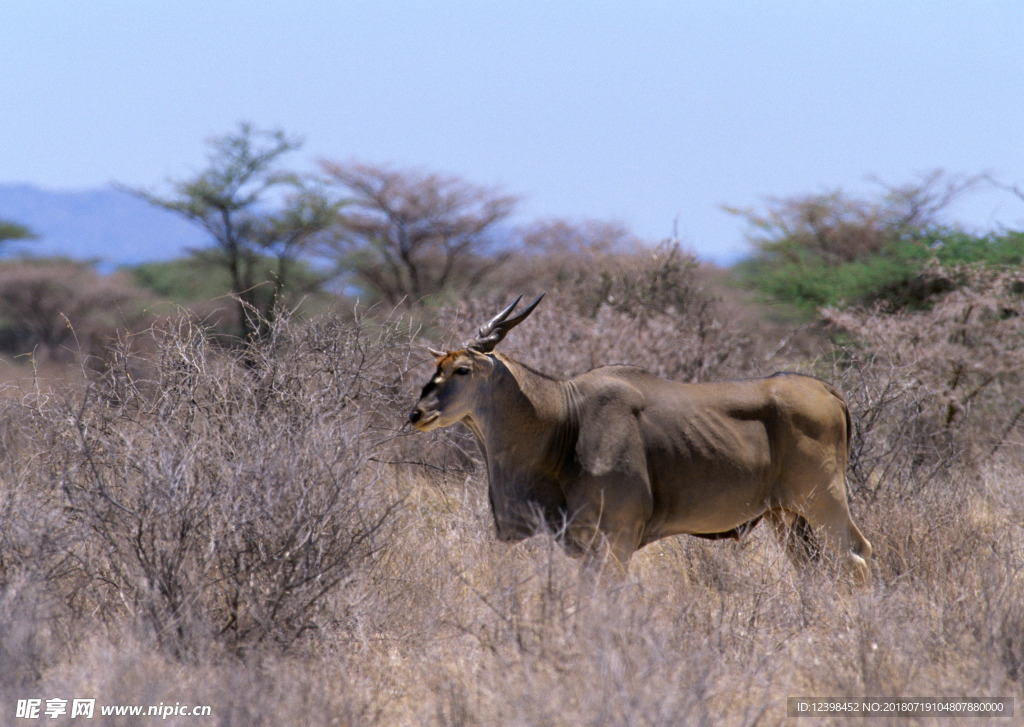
x=647 y=308
x=63 y=309
x=255 y=531
x=214 y=499
x=895 y=442
x=930 y=388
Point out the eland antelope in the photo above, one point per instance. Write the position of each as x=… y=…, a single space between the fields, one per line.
x=619 y=458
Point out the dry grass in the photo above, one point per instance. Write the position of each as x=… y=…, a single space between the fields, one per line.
x=260 y=532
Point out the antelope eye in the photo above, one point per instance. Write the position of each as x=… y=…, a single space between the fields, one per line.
x=462 y=370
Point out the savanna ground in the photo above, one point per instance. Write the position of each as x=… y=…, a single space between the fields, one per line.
x=259 y=531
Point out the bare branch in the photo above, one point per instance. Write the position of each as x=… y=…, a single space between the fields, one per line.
x=408 y=234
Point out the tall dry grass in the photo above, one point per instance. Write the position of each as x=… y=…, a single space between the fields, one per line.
x=259 y=532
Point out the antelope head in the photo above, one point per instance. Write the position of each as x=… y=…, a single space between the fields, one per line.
x=459 y=382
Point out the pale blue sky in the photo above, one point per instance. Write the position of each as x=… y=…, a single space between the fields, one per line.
x=636 y=111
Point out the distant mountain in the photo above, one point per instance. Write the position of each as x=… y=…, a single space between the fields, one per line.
x=107 y=224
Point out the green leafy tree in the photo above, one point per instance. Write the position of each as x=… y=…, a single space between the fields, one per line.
x=253 y=211
x=821 y=250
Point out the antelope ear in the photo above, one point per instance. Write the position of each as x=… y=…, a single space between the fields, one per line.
x=435 y=353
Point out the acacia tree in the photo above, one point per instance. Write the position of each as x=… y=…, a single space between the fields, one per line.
x=840 y=228
x=407 y=234
x=255 y=213
x=816 y=250
x=63 y=308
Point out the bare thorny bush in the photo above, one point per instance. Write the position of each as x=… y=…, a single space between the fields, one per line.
x=937 y=389
x=935 y=395
x=58 y=309
x=267 y=504
x=217 y=500
x=647 y=309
